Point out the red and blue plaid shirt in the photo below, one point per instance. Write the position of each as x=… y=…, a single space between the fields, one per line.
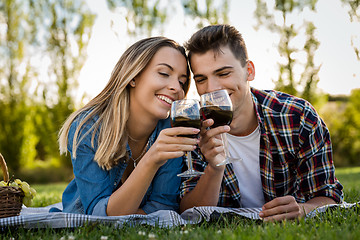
x=295 y=153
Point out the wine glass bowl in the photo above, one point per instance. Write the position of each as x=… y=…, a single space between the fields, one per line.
x=217 y=105
x=186 y=113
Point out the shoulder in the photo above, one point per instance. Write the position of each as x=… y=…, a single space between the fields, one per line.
x=84 y=120
x=276 y=101
x=82 y=127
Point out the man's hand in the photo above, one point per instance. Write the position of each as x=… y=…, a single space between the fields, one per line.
x=286 y=208
x=281 y=208
x=211 y=144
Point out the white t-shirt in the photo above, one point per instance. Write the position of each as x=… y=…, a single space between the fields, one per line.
x=247 y=170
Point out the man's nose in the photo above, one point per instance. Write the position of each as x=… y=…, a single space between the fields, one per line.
x=213 y=85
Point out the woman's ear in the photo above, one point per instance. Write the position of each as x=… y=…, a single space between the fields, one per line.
x=250 y=70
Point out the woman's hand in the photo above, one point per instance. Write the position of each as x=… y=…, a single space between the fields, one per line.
x=211 y=144
x=169 y=144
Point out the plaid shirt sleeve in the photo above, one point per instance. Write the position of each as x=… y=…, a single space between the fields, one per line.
x=229 y=195
x=316 y=171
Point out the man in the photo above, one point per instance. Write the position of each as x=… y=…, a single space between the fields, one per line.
x=285 y=147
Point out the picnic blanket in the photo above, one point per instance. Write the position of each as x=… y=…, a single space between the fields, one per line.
x=42 y=218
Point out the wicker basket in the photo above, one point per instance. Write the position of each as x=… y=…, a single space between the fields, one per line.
x=10 y=197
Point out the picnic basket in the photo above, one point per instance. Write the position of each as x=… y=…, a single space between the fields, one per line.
x=10 y=197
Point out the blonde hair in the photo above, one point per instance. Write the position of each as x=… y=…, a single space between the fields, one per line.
x=112 y=104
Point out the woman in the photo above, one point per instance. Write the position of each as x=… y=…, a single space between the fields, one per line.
x=125 y=154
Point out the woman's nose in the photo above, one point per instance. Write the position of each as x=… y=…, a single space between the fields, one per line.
x=175 y=85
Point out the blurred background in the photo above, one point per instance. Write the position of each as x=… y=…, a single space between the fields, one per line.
x=57 y=55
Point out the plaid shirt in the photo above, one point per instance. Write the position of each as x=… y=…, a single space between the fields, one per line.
x=295 y=153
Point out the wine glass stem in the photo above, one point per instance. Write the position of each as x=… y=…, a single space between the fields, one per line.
x=225 y=143
x=189 y=160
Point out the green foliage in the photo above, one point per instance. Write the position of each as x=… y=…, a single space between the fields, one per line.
x=49 y=33
x=212 y=13
x=15 y=70
x=345 y=131
x=354 y=13
x=69 y=28
x=144 y=16
x=48 y=194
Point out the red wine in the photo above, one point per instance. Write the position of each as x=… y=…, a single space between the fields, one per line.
x=186 y=122
x=222 y=115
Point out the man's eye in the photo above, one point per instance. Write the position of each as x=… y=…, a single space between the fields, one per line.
x=224 y=74
x=199 y=80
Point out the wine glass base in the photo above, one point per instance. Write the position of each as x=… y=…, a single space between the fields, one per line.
x=190 y=173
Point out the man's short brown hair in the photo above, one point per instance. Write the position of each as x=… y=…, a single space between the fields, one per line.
x=214 y=37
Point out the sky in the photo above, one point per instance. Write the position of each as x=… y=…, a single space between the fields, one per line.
x=339 y=72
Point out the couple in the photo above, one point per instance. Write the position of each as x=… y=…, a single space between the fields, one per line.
x=126 y=156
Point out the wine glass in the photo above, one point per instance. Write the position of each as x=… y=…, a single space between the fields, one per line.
x=217 y=106
x=186 y=113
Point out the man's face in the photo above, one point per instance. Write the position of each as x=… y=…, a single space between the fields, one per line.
x=214 y=71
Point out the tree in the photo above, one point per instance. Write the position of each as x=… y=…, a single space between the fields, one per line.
x=15 y=80
x=354 y=13
x=42 y=34
x=345 y=131
x=144 y=16
x=306 y=85
x=68 y=33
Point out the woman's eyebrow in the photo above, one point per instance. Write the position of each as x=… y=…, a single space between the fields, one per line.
x=167 y=65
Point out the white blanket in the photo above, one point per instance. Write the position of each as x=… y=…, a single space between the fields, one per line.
x=41 y=218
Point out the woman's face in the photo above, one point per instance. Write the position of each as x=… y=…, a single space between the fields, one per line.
x=159 y=84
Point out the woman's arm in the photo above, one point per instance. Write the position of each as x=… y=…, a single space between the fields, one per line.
x=127 y=199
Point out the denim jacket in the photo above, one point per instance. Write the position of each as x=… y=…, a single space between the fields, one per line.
x=90 y=190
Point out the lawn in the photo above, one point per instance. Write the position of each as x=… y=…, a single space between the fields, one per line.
x=338 y=224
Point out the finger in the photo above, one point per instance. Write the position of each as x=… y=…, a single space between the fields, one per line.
x=208 y=143
x=187 y=140
x=214 y=132
x=281 y=217
x=274 y=211
x=292 y=207
x=167 y=155
x=174 y=146
x=175 y=131
x=213 y=153
x=207 y=123
x=279 y=201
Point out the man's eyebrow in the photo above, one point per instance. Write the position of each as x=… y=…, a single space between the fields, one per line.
x=223 y=68
x=198 y=75
x=167 y=65
x=216 y=71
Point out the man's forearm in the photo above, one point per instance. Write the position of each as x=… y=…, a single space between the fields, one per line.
x=315 y=203
x=206 y=191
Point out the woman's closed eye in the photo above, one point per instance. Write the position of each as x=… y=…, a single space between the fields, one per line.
x=164 y=74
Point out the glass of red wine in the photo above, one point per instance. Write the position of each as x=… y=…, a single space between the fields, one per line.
x=186 y=113
x=217 y=106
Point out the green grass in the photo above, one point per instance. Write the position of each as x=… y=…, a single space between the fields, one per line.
x=338 y=224
x=350 y=179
